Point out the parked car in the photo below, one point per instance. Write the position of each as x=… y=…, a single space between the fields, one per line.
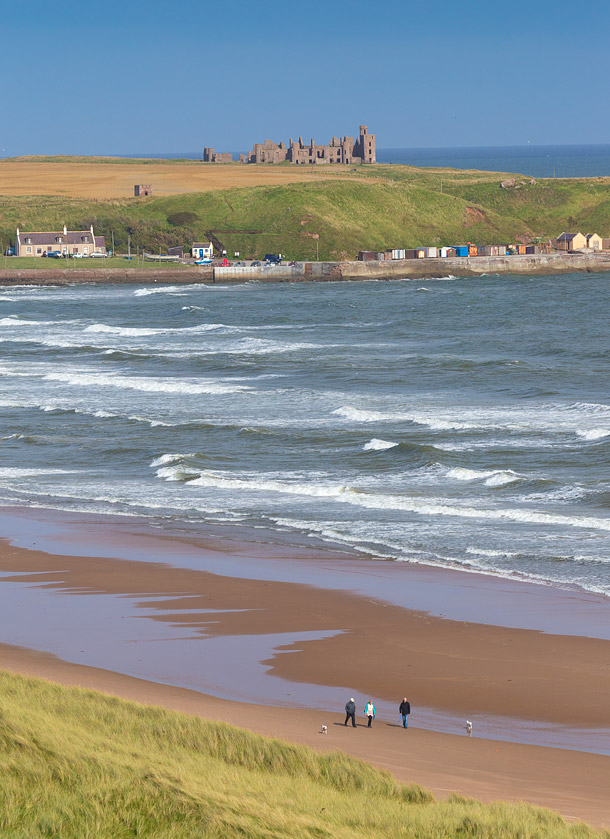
x=76 y=255
x=256 y=263
x=53 y=254
x=98 y=255
x=273 y=259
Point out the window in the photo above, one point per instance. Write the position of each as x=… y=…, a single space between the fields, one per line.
x=29 y=250
x=85 y=250
x=28 y=240
x=59 y=239
x=38 y=250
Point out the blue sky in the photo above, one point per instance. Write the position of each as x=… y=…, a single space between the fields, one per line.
x=95 y=78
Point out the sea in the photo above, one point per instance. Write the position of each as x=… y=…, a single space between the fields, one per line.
x=453 y=422
x=565 y=161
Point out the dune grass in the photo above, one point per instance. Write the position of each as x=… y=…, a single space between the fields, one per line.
x=76 y=763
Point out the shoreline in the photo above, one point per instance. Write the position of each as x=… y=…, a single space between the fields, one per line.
x=284 y=654
x=571 y=783
x=535 y=264
x=279 y=625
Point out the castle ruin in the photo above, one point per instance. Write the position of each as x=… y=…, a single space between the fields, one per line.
x=345 y=150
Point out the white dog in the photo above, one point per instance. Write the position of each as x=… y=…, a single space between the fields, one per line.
x=324 y=729
x=468 y=727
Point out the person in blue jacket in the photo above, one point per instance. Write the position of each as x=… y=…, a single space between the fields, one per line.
x=369 y=712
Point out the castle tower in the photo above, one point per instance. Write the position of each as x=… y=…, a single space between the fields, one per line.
x=366 y=145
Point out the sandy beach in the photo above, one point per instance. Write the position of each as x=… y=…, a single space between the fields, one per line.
x=322 y=639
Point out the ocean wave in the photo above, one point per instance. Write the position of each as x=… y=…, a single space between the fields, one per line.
x=169 y=289
x=359 y=497
x=593 y=434
x=137 y=332
x=359 y=415
x=145 y=384
x=29 y=472
x=492 y=478
x=12 y=320
x=376 y=445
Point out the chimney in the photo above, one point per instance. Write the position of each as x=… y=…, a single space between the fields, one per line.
x=65 y=230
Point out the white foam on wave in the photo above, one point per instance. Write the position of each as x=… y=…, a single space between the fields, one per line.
x=136 y=332
x=493 y=553
x=145 y=384
x=14 y=472
x=165 y=459
x=376 y=445
x=358 y=415
x=129 y=332
x=169 y=289
x=491 y=478
x=592 y=434
x=408 y=504
x=15 y=321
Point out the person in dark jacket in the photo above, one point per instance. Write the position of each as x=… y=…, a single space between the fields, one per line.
x=350 y=711
x=404 y=709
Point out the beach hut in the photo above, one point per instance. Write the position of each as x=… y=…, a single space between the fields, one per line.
x=432 y=253
x=461 y=250
x=398 y=253
x=421 y=253
x=473 y=250
x=366 y=256
x=446 y=252
x=521 y=249
x=595 y=242
x=410 y=253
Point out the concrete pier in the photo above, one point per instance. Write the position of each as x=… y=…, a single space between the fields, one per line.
x=317 y=271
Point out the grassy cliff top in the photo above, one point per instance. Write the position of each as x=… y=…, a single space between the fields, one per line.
x=79 y=764
x=333 y=215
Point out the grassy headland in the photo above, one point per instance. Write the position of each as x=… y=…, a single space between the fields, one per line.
x=377 y=207
x=77 y=763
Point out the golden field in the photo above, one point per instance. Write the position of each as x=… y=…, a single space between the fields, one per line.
x=106 y=179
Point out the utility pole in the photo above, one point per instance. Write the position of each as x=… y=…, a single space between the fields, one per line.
x=318 y=248
x=441 y=186
x=129 y=246
x=113 y=253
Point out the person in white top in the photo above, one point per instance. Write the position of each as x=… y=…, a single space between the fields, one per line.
x=369 y=712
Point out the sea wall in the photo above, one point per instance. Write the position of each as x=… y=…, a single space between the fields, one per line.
x=317 y=271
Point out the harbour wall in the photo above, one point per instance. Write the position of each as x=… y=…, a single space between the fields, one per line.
x=317 y=271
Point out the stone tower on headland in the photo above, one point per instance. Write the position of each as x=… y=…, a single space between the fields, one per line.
x=345 y=150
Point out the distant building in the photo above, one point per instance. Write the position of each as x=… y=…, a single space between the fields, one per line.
x=139 y=190
x=65 y=241
x=210 y=156
x=346 y=150
x=571 y=241
x=202 y=250
x=595 y=242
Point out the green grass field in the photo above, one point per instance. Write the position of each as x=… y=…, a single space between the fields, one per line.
x=386 y=206
x=19 y=263
x=77 y=764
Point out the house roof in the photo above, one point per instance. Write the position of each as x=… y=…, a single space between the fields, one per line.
x=202 y=244
x=72 y=237
x=567 y=237
x=590 y=235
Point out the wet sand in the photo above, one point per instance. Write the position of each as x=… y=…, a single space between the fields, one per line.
x=574 y=783
x=175 y=626
x=369 y=645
